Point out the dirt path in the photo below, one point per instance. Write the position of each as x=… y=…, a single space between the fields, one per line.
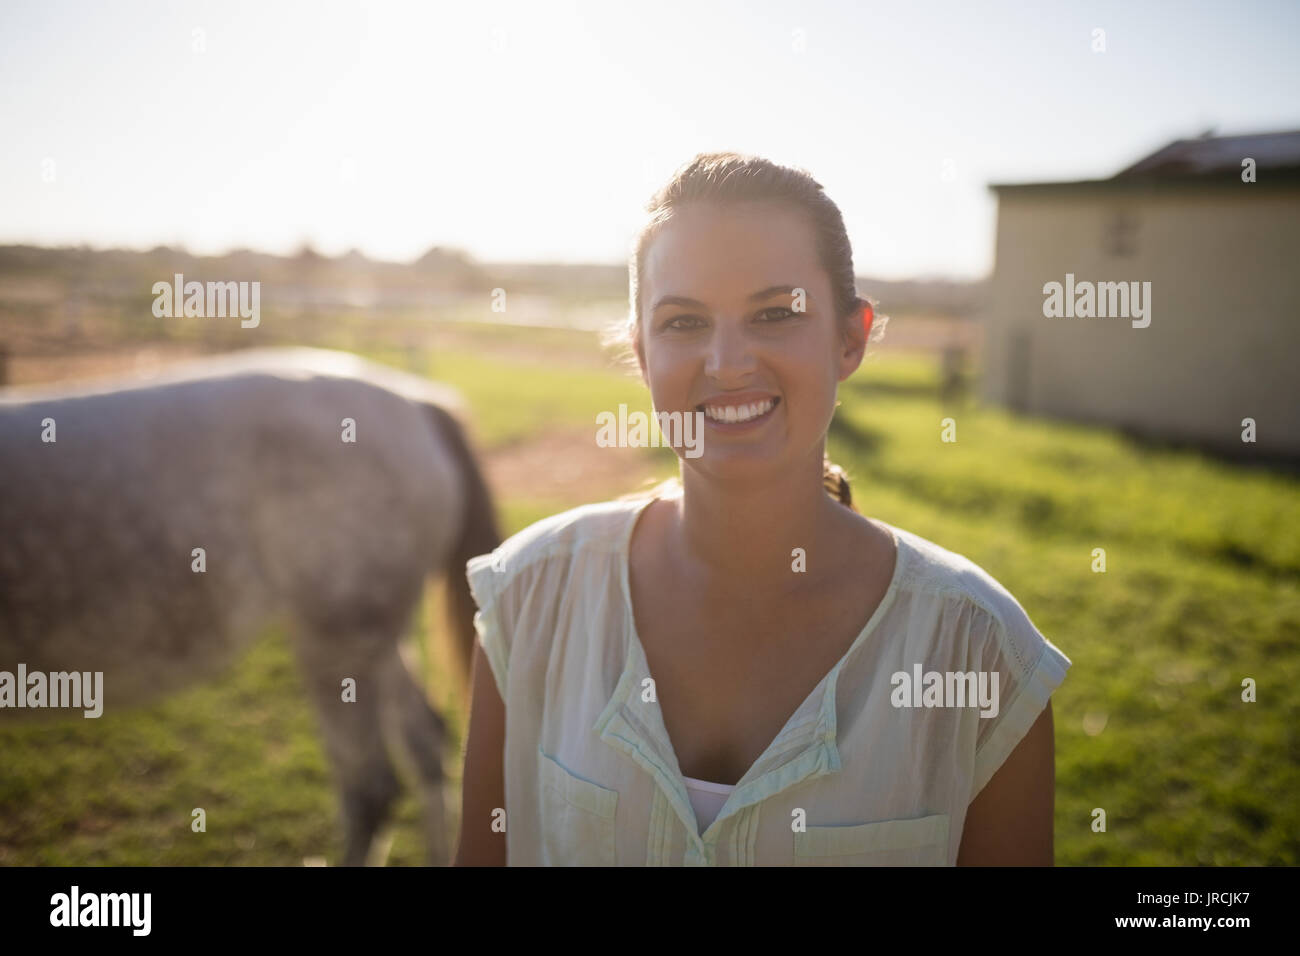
x=84 y=366
x=564 y=465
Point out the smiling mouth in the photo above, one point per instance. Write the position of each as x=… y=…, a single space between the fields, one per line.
x=740 y=414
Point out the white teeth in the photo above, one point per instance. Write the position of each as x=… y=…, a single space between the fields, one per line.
x=739 y=413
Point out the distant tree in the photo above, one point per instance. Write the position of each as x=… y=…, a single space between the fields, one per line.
x=449 y=268
x=307 y=254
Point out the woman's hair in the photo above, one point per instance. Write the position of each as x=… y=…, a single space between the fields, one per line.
x=733 y=177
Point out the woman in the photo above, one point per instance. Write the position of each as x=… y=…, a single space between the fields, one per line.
x=743 y=669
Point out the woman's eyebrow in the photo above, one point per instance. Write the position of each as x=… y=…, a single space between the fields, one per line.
x=755 y=297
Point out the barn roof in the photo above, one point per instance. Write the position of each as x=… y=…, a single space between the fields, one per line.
x=1219 y=154
x=1206 y=159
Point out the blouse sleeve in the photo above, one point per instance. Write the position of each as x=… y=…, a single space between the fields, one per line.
x=1029 y=669
x=486 y=580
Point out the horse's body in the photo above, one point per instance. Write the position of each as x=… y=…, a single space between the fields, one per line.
x=243 y=456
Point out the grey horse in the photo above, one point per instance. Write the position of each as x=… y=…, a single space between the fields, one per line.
x=323 y=491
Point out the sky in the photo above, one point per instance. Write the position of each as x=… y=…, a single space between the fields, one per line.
x=539 y=130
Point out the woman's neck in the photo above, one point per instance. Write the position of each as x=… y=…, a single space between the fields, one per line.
x=764 y=539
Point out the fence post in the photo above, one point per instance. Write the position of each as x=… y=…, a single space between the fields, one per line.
x=953 y=377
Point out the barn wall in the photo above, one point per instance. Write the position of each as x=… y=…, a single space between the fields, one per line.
x=1225 y=311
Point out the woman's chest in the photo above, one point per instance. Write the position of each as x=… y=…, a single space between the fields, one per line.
x=728 y=675
x=600 y=789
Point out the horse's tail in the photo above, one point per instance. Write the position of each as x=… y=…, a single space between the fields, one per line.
x=479 y=535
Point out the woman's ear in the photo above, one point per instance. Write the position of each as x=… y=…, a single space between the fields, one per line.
x=855 y=341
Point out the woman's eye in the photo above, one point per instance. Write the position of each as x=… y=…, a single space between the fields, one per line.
x=694 y=320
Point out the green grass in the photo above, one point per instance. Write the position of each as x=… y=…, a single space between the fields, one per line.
x=1201 y=590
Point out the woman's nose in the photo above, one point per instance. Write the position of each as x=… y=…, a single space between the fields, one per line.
x=730 y=351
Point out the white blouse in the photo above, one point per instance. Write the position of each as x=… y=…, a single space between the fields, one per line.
x=876 y=767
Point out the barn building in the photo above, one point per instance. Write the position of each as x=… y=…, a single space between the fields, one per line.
x=1175 y=312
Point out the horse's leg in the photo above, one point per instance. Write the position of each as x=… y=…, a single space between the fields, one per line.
x=354 y=738
x=416 y=736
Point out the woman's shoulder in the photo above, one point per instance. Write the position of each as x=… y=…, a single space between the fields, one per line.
x=586 y=530
x=974 y=611
x=936 y=573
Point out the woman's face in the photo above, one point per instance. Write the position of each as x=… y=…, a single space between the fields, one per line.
x=741 y=340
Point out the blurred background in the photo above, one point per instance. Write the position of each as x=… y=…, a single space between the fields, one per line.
x=382 y=168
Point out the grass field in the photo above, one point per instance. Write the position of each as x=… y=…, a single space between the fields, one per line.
x=1201 y=590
